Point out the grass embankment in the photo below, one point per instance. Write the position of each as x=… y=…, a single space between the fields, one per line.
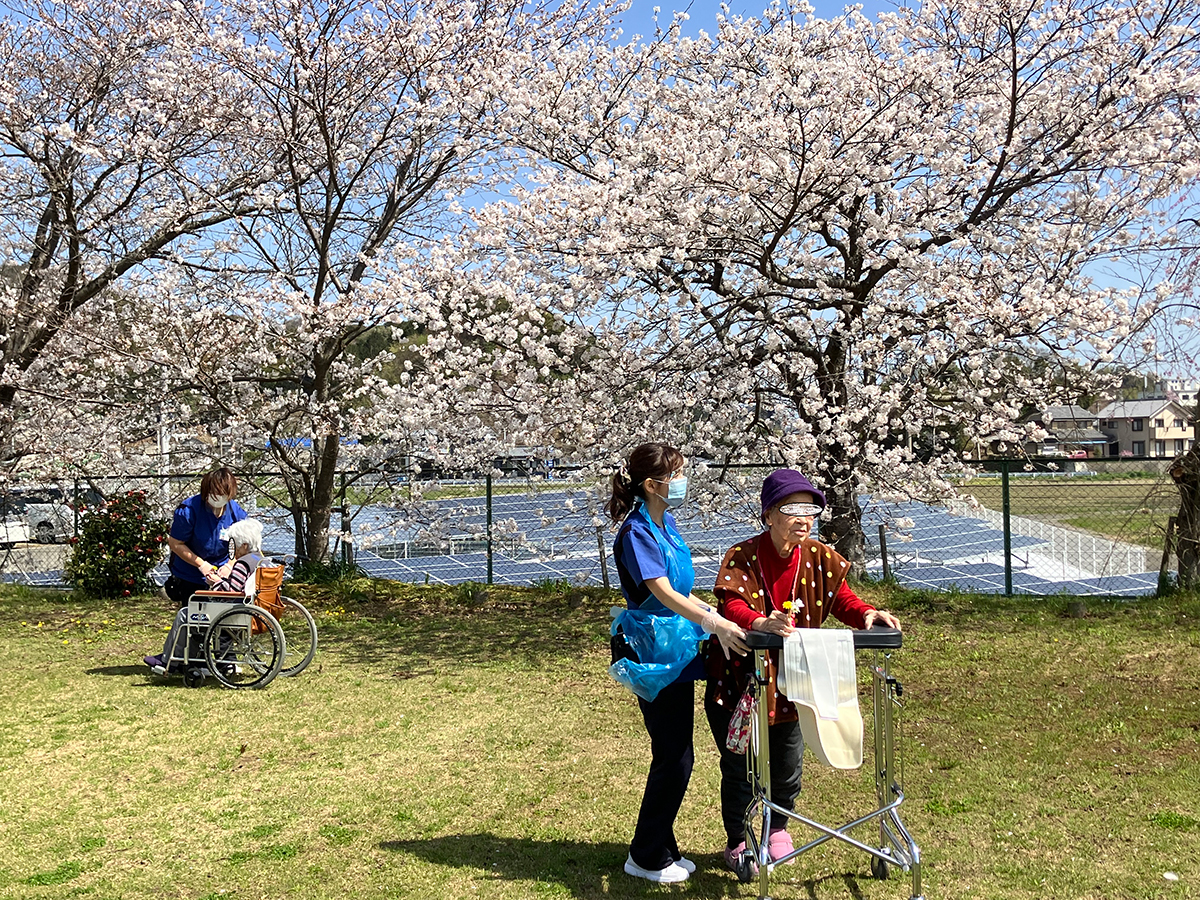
x=1134 y=510
x=440 y=750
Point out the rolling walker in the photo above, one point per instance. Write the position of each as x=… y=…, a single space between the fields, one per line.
x=896 y=847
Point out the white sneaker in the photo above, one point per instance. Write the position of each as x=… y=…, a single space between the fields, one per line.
x=686 y=864
x=670 y=875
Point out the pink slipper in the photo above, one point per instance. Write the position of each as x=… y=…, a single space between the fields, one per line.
x=779 y=845
x=733 y=854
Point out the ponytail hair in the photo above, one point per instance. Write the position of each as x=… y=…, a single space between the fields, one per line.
x=652 y=460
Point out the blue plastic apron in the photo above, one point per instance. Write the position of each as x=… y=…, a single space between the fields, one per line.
x=664 y=641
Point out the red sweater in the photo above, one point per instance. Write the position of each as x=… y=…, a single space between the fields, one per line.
x=750 y=580
x=780 y=574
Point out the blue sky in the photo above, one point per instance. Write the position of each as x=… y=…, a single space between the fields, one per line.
x=703 y=13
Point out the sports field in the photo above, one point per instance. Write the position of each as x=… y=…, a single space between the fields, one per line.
x=448 y=745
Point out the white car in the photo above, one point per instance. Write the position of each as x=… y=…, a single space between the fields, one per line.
x=36 y=513
x=13 y=530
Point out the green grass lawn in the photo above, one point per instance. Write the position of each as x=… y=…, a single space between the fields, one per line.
x=1134 y=510
x=442 y=750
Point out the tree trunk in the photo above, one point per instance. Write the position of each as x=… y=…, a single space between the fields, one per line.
x=321 y=496
x=299 y=517
x=311 y=491
x=843 y=531
x=1185 y=472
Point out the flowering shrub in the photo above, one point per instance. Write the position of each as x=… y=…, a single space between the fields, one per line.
x=119 y=543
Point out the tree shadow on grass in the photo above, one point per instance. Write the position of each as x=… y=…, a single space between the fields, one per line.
x=150 y=680
x=585 y=869
x=594 y=870
x=535 y=637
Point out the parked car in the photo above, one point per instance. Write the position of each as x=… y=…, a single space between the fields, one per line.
x=41 y=513
x=13 y=530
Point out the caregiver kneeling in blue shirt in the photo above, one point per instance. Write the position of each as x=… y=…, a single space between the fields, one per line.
x=199 y=549
x=656 y=644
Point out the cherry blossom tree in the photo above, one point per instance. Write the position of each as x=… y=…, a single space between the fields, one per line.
x=377 y=120
x=117 y=137
x=815 y=242
x=812 y=241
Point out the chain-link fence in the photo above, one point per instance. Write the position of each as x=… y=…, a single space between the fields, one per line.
x=1075 y=527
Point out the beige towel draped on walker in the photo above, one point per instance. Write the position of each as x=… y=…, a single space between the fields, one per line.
x=819 y=678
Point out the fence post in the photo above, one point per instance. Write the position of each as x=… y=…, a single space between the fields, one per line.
x=347 y=549
x=887 y=570
x=489 y=527
x=1004 y=503
x=603 y=556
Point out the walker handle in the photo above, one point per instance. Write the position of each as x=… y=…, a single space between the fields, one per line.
x=868 y=639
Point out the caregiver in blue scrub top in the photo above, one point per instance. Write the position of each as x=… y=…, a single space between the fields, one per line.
x=662 y=626
x=198 y=549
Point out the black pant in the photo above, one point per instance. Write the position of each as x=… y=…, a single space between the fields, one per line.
x=669 y=720
x=179 y=590
x=786 y=745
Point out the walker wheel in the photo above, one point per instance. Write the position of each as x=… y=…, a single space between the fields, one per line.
x=746 y=869
x=193 y=678
x=879 y=869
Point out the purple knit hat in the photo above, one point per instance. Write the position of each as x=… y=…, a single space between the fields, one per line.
x=782 y=482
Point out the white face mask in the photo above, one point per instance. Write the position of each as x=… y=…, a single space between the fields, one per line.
x=217 y=502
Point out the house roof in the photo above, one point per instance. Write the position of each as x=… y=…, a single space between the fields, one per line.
x=1141 y=409
x=1061 y=414
x=1079 y=436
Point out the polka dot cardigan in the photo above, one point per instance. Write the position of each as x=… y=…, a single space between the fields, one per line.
x=820 y=591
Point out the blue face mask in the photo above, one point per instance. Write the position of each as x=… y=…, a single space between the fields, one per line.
x=676 y=491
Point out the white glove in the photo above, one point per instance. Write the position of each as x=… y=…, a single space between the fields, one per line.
x=730 y=636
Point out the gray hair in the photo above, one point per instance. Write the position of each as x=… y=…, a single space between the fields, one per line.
x=247 y=531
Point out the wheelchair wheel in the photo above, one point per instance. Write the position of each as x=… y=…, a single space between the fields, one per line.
x=241 y=655
x=299 y=636
x=193 y=678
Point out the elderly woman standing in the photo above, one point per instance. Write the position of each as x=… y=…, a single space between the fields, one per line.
x=766 y=582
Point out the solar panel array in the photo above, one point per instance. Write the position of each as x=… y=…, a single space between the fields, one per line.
x=552 y=536
x=939 y=550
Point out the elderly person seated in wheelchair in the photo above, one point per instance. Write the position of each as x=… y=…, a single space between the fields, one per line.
x=235 y=577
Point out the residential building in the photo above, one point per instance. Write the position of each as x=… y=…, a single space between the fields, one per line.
x=1157 y=428
x=1185 y=392
x=1071 y=431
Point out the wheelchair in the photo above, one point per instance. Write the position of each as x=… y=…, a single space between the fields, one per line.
x=296 y=623
x=244 y=642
